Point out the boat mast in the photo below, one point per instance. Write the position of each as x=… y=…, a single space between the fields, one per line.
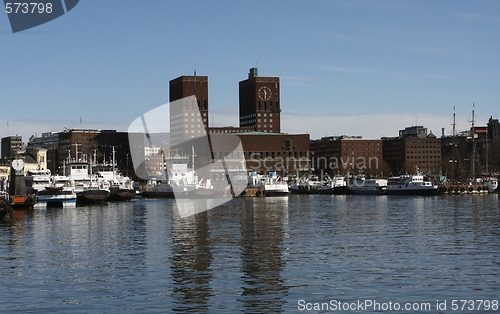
x=453 y=150
x=192 y=156
x=76 y=152
x=114 y=168
x=487 y=148
x=473 y=169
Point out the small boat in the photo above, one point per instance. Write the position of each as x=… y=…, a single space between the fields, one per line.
x=487 y=184
x=158 y=189
x=255 y=186
x=37 y=180
x=275 y=186
x=492 y=184
x=312 y=185
x=60 y=192
x=410 y=185
x=367 y=186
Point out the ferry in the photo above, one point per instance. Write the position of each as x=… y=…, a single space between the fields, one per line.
x=410 y=185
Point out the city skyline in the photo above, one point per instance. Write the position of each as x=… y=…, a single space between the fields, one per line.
x=346 y=67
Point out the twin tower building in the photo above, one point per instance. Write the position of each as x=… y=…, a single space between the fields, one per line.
x=259 y=117
x=259 y=103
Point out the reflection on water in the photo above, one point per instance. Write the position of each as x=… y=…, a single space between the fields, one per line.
x=191 y=260
x=262 y=234
x=207 y=243
x=254 y=255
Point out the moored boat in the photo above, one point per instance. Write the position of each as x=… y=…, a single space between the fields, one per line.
x=60 y=192
x=339 y=185
x=89 y=188
x=275 y=186
x=311 y=185
x=367 y=186
x=120 y=187
x=410 y=185
x=158 y=189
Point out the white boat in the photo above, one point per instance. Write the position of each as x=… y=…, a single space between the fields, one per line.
x=89 y=188
x=488 y=185
x=492 y=184
x=37 y=180
x=60 y=192
x=274 y=185
x=179 y=181
x=367 y=186
x=121 y=188
x=410 y=185
x=312 y=185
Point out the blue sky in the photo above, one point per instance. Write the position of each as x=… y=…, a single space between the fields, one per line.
x=351 y=67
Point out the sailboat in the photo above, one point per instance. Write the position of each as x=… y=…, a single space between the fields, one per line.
x=491 y=183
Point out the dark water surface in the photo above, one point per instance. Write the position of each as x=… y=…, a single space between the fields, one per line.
x=253 y=255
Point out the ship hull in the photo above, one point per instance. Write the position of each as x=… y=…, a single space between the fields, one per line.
x=411 y=191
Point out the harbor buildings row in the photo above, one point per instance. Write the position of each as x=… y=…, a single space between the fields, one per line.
x=279 y=152
x=265 y=147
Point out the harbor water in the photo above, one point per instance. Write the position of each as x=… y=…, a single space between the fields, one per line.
x=295 y=254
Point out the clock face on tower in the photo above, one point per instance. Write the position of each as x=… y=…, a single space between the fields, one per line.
x=265 y=93
x=18 y=164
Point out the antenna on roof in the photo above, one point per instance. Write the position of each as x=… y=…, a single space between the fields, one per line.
x=195 y=85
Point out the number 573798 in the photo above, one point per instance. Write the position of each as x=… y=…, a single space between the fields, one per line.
x=474 y=305
x=28 y=7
